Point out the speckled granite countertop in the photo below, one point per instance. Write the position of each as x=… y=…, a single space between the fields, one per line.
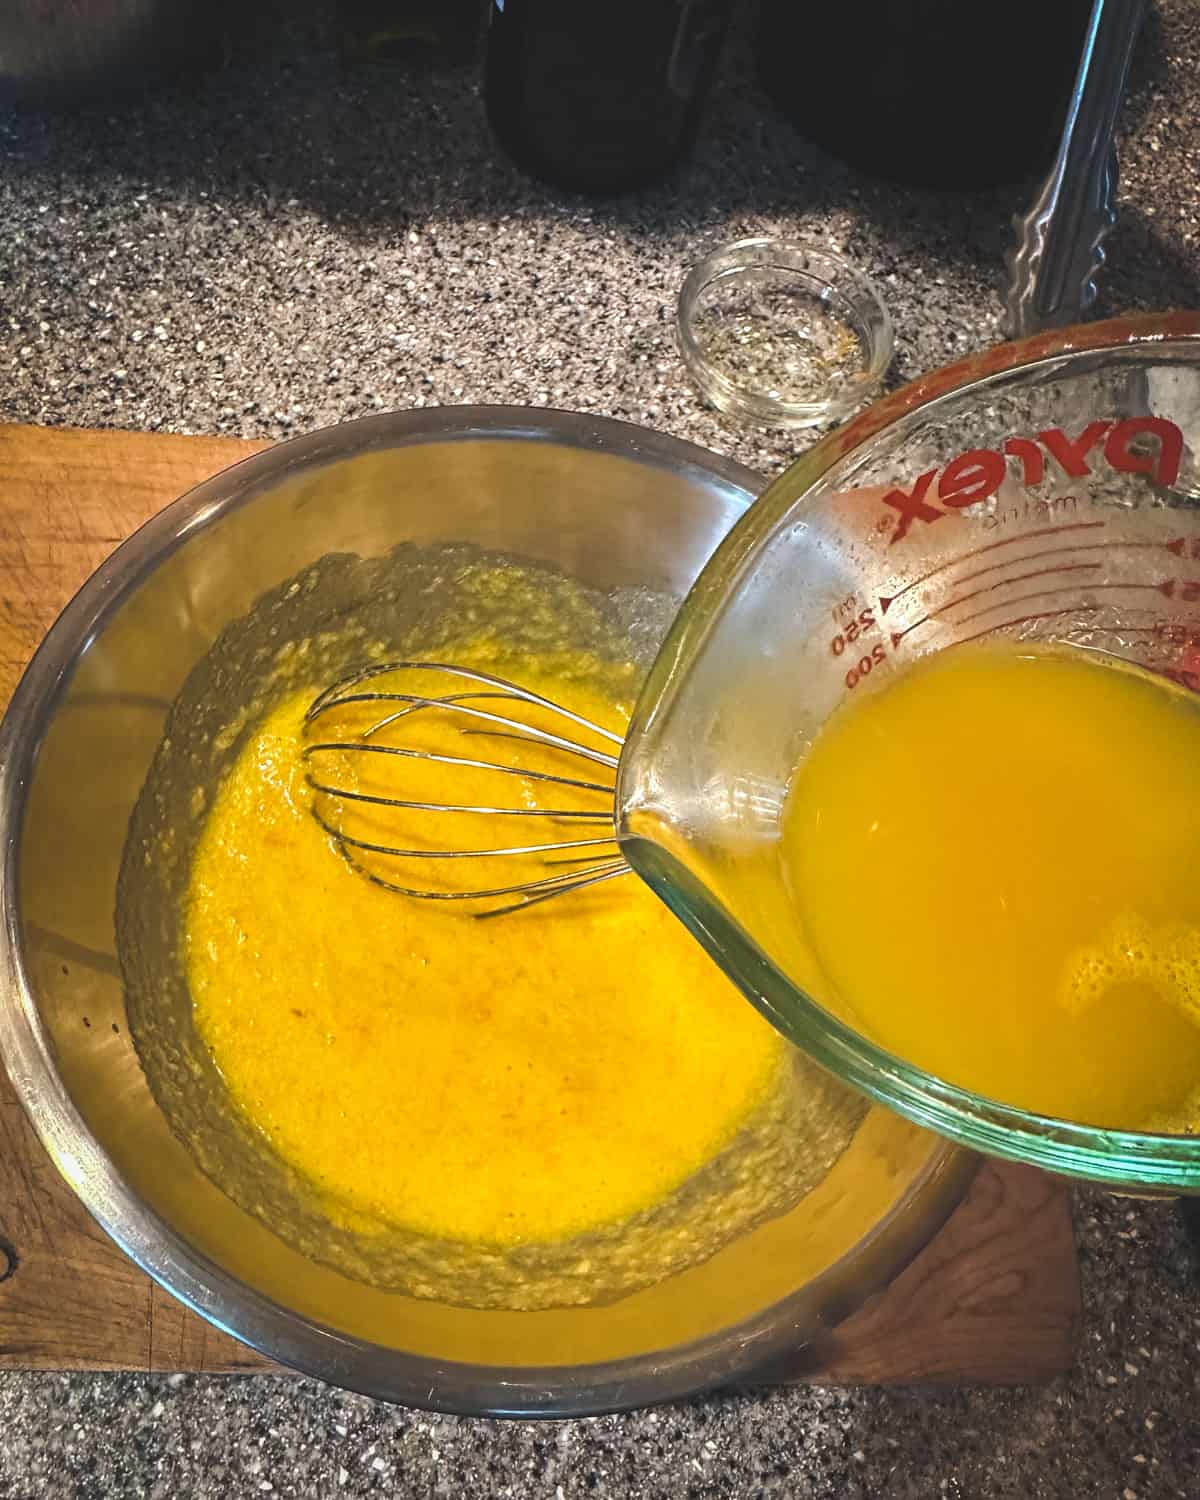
x=289 y=247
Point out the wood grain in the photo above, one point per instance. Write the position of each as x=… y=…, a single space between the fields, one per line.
x=67 y=498
x=994 y=1298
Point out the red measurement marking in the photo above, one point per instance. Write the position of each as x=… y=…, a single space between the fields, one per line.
x=990 y=588
x=887 y=600
x=1044 y=614
x=1014 y=562
x=1003 y=583
x=866 y=666
x=1167 y=589
x=1171 y=632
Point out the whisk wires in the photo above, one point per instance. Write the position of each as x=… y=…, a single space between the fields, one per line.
x=366 y=818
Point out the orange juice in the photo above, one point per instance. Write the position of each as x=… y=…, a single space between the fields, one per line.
x=995 y=859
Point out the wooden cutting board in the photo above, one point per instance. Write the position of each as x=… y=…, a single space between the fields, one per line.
x=994 y=1298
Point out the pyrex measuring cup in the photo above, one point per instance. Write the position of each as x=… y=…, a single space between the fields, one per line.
x=1048 y=490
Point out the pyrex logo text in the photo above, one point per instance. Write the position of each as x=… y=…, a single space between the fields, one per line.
x=976 y=475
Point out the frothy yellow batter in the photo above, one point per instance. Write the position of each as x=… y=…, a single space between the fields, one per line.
x=996 y=861
x=498 y=1082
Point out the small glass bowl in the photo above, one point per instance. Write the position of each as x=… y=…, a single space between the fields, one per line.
x=783 y=335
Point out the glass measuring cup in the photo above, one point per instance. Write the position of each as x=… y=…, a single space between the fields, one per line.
x=1048 y=490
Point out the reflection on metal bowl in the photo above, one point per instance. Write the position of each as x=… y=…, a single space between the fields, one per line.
x=613 y=508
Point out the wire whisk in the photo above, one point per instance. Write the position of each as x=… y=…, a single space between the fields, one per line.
x=389 y=740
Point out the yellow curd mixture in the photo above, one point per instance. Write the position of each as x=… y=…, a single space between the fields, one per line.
x=505 y=1081
x=996 y=861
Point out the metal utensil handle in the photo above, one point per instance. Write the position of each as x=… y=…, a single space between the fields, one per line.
x=1059 y=247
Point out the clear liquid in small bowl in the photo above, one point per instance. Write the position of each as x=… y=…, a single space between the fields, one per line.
x=767 y=331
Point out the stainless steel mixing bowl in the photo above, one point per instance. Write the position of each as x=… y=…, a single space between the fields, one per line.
x=609 y=504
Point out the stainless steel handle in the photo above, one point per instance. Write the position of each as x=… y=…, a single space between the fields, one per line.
x=1059 y=247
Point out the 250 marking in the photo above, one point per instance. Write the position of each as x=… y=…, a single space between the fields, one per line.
x=847 y=636
x=851 y=632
